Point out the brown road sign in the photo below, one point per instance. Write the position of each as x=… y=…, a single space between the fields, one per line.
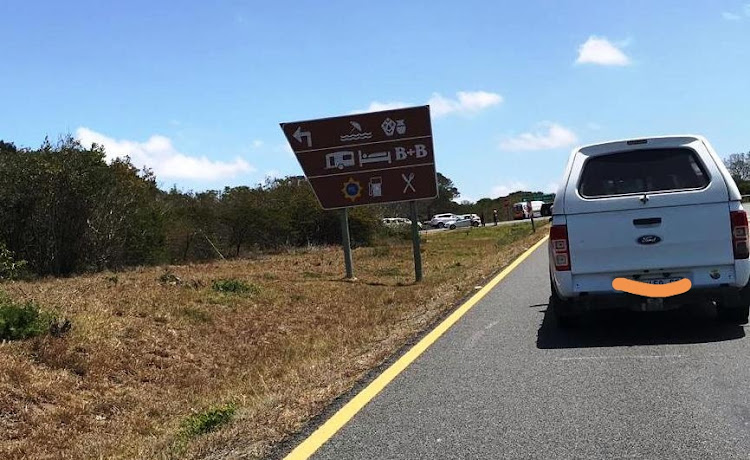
x=369 y=158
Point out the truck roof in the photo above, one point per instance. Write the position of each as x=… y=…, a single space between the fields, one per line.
x=665 y=140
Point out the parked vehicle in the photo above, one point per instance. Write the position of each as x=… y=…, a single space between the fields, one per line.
x=520 y=210
x=475 y=220
x=651 y=212
x=439 y=220
x=460 y=221
x=398 y=221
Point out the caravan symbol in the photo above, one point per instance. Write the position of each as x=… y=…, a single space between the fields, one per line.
x=340 y=160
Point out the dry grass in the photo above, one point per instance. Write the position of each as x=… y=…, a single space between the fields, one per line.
x=152 y=350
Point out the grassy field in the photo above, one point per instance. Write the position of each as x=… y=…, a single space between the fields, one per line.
x=223 y=359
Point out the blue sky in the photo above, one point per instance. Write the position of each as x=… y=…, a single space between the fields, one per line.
x=196 y=90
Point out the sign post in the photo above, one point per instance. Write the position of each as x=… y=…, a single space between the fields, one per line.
x=416 y=241
x=369 y=158
x=347 y=244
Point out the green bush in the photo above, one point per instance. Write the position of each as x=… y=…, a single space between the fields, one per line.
x=10 y=268
x=22 y=320
x=208 y=420
x=202 y=423
x=233 y=286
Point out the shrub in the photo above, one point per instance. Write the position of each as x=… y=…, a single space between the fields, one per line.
x=202 y=423
x=169 y=278
x=22 y=320
x=233 y=286
x=207 y=421
x=10 y=268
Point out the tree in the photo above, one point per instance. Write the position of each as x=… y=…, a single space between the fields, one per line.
x=7 y=147
x=65 y=210
x=738 y=165
x=447 y=192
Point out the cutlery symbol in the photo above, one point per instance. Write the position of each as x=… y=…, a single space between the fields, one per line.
x=408 y=180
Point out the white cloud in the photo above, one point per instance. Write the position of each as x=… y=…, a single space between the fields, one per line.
x=730 y=16
x=599 y=50
x=507 y=189
x=376 y=106
x=466 y=102
x=551 y=187
x=546 y=136
x=257 y=143
x=159 y=154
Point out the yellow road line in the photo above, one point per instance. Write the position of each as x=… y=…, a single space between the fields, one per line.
x=340 y=418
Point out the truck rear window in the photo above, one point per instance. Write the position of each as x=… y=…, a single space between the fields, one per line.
x=642 y=171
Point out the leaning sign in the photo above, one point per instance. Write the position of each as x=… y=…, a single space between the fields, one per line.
x=370 y=158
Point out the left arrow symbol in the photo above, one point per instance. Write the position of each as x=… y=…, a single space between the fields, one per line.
x=299 y=134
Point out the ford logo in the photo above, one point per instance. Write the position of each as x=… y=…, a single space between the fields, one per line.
x=648 y=239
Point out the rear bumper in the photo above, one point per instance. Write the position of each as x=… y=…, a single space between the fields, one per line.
x=726 y=294
x=708 y=278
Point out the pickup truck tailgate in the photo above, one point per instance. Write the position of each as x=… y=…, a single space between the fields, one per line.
x=674 y=237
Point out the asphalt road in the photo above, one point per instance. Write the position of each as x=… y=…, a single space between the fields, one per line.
x=506 y=382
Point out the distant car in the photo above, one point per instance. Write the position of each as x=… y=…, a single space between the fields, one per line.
x=475 y=220
x=439 y=220
x=521 y=211
x=398 y=221
x=461 y=221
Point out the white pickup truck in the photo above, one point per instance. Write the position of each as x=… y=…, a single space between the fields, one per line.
x=652 y=212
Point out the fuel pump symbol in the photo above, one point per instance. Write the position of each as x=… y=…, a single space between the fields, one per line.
x=376 y=186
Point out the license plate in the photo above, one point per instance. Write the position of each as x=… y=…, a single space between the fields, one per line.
x=659 y=280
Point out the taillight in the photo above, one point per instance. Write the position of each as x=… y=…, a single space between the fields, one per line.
x=739 y=234
x=558 y=237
